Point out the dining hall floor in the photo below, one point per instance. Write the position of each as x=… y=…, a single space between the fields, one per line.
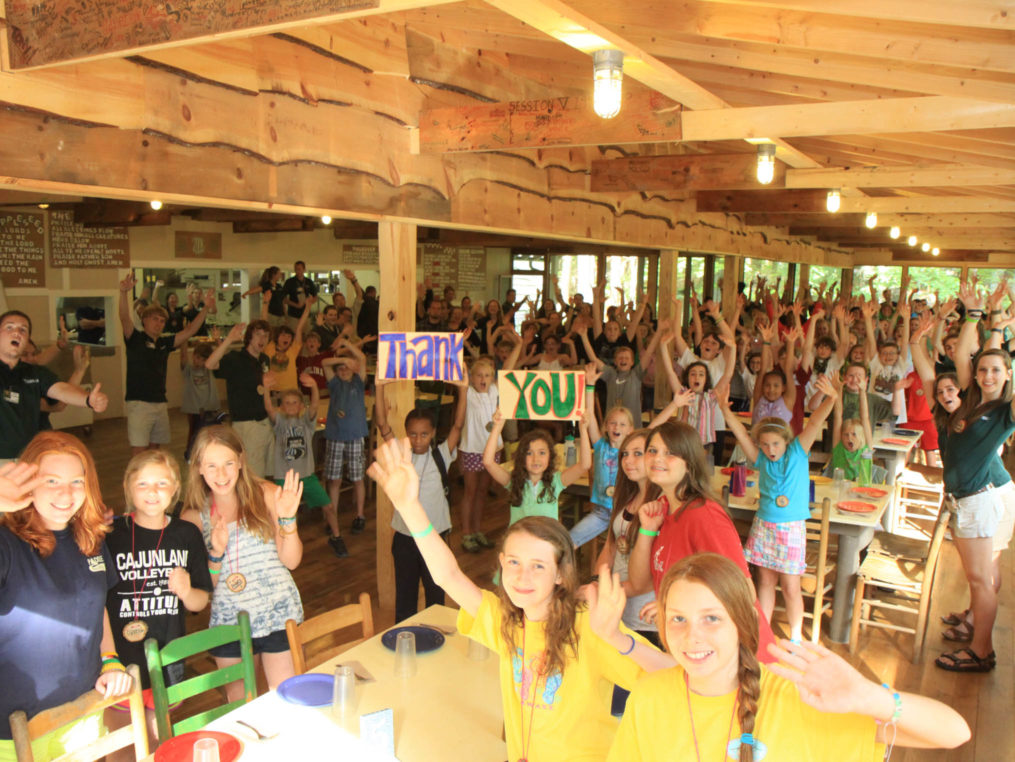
x=325 y=582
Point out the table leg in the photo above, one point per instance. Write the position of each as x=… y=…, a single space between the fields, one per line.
x=895 y=463
x=846 y=566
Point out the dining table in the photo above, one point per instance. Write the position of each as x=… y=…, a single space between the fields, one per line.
x=853 y=530
x=449 y=709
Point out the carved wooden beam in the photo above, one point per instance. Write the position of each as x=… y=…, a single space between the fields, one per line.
x=706 y=172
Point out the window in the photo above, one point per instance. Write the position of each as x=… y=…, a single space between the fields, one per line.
x=527 y=279
x=989 y=278
x=621 y=273
x=884 y=278
x=576 y=274
x=766 y=268
x=831 y=276
x=943 y=280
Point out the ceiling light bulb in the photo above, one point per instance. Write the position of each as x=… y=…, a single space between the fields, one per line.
x=895 y=232
x=911 y=240
x=607 y=82
x=925 y=246
x=935 y=251
x=44 y=206
x=832 y=201
x=871 y=220
x=155 y=204
x=766 y=163
x=325 y=219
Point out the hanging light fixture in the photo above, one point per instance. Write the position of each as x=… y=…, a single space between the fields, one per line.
x=871 y=220
x=832 y=201
x=935 y=251
x=325 y=219
x=895 y=232
x=925 y=246
x=766 y=163
x=607 y=81
x=911 y=240
x=155 y=204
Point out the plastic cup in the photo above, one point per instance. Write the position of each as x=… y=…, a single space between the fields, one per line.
x=206 y=750
x=477 y=651
x=405 y=654
x=344 y=698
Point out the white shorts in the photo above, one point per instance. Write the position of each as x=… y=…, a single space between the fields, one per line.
x=147 y=423
x=990 y=513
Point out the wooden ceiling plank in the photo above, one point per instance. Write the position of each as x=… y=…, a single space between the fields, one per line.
x=642 y=173
x=813 y=202
x=904 y=221
x=948 y=175
x=927 y=113
x=883 y=150
x=985 y=14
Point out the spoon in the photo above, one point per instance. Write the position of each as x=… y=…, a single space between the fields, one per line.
x=260 y=736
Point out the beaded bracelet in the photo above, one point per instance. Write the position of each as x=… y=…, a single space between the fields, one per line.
x=110 y=655
x=216 y=559
x=630 y=648
x=423 y=533
x=111 y=665
x=898 y=704
x=647 y=532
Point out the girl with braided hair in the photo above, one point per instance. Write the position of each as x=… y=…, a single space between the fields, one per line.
x=719 y=700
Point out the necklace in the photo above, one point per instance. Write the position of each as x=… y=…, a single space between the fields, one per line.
x=135 y=630
x=521 y=702
x=235 y=582
x=690 y=713
x=623 y=545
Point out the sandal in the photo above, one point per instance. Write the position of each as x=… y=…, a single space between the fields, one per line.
x=960 y=633
x=965 y=660
x=954 y=620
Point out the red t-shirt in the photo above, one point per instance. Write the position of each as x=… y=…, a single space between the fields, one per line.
x=917 y=408
x=704 y=527
x=312 y=366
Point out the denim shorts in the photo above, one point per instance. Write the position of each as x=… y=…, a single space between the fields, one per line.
x=273 y=643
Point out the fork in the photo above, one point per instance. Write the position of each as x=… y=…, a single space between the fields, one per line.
x=443 y=630
x=260 y=736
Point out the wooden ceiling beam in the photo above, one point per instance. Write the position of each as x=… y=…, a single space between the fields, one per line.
x=813 y=202
x=103 y=212
x=947 y=175
x=927 y=205
x=52 y=32
x=761 y=201
x=708 y=172
x=904 y=221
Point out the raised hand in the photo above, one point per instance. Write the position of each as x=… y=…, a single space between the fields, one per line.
x=17 y=480
x=97 y=399
x=606 y=603
x=825 y=680
x=393 y=471
x=288 y=494
x=649 y=611
x=683 y=398
x=236 y=333
x=970 y=297
x=651 y=515
x=306 y=379
x=219 y=536
x=591 y=374
x=127 y=283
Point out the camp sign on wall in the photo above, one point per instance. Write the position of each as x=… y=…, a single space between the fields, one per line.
x=541 y=395
x=420 y=356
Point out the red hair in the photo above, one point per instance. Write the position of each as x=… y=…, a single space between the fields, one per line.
x=88 y=524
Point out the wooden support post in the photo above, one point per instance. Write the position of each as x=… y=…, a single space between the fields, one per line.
x=846 y=282
x=804 y=280
x=396 y=243
x=730 y=278
x=668 y=261
x=708 y=289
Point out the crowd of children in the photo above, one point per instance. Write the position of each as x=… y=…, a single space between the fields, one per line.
x=673 y=569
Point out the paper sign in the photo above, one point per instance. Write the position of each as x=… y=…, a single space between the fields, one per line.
x=427 y=356
x=541 y=395
x=377 y=729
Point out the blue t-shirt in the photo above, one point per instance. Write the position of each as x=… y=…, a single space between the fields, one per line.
x=787 y=477
x=51 y=612
x=347 y=410
x=605 y=458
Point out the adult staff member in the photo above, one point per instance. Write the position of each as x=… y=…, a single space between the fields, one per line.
x=22 y=387
x=297 y=289
x=244 y=372
x=147 y=359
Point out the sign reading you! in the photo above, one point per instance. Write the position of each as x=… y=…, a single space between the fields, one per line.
x=533 y=395
x=427 y=356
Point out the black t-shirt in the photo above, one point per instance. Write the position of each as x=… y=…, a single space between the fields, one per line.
x=297 y=290
x=275 y=294
x=147 y=361
x=423 y=325
x=175 y=322
x=50 y=623
x=90 y=335
x=190 y=313
x=21 y=391
x=604 y=348
x=243 y=374
x=366 y=322
x=328 y=335
x=143 y=559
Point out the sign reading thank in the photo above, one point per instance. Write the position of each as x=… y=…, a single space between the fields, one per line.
x=533 y=395
x=428 y=356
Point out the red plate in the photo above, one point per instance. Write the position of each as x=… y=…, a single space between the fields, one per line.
x=855 y=506
x=870 y=491
x=181 y=748
x=895 y=441
x=729 y=470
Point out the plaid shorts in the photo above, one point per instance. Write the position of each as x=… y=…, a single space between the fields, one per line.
x=780 y=547
x=349 y=453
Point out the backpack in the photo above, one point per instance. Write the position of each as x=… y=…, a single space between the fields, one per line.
x=442 y=468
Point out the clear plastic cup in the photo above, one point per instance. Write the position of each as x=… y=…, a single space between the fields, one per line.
x=405 y=654
x=206 y=750
x=344 y=698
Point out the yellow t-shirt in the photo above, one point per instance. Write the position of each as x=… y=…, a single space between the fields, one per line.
x=571 y=717
x=656 y=725
x=285 y=369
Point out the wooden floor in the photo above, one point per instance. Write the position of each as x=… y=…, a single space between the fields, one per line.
x=986 y=701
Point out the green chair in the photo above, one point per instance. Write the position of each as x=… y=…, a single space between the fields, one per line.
x=188 y=645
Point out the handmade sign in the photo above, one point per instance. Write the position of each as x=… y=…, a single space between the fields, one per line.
x=427 y=356
x=534 y=395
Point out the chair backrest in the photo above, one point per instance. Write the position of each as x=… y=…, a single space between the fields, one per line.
x=24 y=731
x=936 y=541
x=818 y=530
x=326 y=624
x=182 y=648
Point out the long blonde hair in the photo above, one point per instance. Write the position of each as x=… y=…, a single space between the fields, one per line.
x=252 y=512
x=561 y=633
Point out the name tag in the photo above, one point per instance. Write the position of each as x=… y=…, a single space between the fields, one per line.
x=96 y=564
x=12 y=396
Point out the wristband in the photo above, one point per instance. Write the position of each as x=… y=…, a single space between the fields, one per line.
x=972 y=318
x=110 y=655
x=591 y=387
x=647 y=532
x=285 y=521
x=214 y=571
x=977 y=313
x=88 y=401
x=898 y=704
x=424 y=533
x=630 y=649
x=111 y=666
x=997 y=330
x=216 y=559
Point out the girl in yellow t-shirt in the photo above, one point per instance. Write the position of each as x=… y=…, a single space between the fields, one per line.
x=559 y=658
x=719 y=700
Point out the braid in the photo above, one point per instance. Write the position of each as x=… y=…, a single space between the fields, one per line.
x=749 y=676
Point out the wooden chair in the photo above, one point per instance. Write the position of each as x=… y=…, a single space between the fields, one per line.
x=818 y=579
x=24 y=731
x=326 y=624
x=187 y=646
x=898 y=573
x=919 y=492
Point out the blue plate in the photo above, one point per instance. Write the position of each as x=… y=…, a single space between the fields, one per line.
x=426 y=639
x=906 y=432
x=311 y=689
